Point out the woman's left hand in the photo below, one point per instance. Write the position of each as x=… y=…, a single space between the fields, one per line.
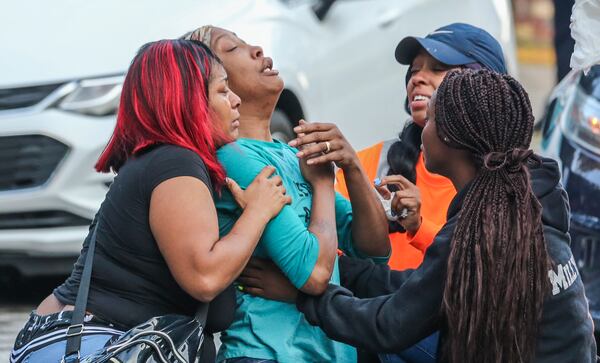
x=263 y=278
x=408 y=197
x=324 y=143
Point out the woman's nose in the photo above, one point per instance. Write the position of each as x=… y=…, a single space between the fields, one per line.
x=419 y=77
x=235 y=100
x=257 y=51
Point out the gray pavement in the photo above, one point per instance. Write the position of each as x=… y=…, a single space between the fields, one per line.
x=18 y=299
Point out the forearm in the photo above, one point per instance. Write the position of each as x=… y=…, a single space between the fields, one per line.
x=229 y=255
x=322 y=226
x=366 y=279
x=388 y=324
x=369 y=223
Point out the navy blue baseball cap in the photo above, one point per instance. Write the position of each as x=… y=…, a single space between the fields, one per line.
x=455 y=44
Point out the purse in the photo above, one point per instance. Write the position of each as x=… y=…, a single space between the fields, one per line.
x=170 y=338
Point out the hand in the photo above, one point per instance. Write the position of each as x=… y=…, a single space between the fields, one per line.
x=312 y=142
x=408 y=197
x=265 y=195
x=317 y=174
x=263 y=278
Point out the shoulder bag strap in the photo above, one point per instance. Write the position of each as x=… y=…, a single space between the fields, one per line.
x=75 y=330
x=202 y=313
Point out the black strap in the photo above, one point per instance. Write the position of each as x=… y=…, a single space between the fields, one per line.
x=202 y=313
x=76 y=329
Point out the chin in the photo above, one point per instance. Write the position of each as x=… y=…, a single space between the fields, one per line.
x=419 y=118
x=278 y=85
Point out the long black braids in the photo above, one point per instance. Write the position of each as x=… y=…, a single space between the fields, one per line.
x=498 y=263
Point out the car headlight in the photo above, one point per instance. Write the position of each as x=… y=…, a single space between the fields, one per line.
x=582 y=123
x=94 y=96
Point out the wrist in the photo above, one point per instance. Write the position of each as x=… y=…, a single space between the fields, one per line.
x=352 y=168
x=414 y=229
x=261 y=214
x=323 y=183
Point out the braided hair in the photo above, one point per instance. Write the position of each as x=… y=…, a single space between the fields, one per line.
x=496 y=277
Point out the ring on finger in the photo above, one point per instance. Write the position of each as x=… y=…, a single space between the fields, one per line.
x=327 y=147
x=403 y=213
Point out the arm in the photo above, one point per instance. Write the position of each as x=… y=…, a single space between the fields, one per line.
x=389 y=323
x=322 y=225
x=305 y=255
x=367 y=279
x=183 y=221
x=424 y=235
x=362 y=277
x=369 y=223
x=369 y=226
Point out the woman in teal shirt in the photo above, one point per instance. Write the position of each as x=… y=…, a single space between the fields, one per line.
x=303 y=239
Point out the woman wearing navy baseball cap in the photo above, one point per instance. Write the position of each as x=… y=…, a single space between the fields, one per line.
x=423 y=199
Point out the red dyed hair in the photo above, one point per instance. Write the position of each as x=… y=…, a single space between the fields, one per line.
x=165 y=101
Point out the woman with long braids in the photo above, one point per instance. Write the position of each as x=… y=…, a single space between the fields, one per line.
x=499 y=281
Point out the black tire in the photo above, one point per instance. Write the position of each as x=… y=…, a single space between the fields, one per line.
x=281 y=127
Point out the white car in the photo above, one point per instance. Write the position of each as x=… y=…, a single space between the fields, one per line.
x=62 y=66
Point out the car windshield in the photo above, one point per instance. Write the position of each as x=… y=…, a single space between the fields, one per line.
x=590 y=84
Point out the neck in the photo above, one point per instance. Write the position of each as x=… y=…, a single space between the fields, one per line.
x=255 y=118
x=462 y=176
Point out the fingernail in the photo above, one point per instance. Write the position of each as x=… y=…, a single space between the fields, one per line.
x=377 y=182
x=297 y=129
x=240 y=287
x=299 y=154
x=310 y=162
x=292 y=143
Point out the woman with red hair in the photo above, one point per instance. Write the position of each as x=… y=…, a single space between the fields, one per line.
x=158 y=249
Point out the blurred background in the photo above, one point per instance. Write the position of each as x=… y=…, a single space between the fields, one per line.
x=63 y=62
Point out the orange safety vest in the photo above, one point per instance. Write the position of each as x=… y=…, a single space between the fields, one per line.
x=436 y=194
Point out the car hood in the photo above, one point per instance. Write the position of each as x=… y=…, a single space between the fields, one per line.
x=62 y=40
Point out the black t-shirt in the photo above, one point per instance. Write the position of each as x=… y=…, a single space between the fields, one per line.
x=131 y=281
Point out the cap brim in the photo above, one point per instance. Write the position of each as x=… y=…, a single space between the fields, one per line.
x=409 y=47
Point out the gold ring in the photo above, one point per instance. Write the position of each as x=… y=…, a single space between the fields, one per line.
x=327 y=147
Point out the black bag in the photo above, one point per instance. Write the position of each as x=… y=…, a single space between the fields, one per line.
x=165 y=339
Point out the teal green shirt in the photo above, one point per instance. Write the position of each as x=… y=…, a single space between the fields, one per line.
x=270 y=329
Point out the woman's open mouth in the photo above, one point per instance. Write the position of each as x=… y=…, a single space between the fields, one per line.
x=268 y=68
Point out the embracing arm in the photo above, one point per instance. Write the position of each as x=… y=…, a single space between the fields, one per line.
x=183 y=220
x=389 y=323
x=367 y=279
